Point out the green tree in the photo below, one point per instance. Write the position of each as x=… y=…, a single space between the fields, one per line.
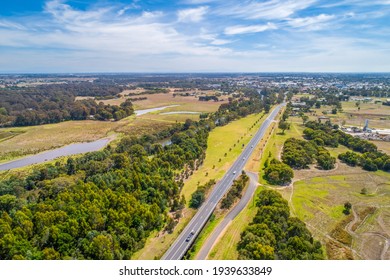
x=347 y=208
x=283 y=126
x=304 y=119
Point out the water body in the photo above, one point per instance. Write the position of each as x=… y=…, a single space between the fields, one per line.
x=72 y=149
x=181 y=112
x=146 y=111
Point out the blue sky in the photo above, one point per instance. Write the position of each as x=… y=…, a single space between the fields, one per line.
x=195 y=36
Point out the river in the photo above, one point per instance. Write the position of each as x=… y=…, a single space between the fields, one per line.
x=145 y=111
x=72 y=149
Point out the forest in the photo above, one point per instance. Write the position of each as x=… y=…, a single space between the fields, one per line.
x=104 y=204
x=275 y=235
x=55 y=103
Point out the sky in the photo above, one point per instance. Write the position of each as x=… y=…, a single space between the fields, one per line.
x=59 y=36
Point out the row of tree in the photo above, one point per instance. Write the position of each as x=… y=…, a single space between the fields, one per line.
x=370 y=161
x=235 y=191
x=273 y=234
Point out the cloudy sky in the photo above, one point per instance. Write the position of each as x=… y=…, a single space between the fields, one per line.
x=195 y=36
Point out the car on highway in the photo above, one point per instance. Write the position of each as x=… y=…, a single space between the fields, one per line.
x=190 y=236
x=234 y=172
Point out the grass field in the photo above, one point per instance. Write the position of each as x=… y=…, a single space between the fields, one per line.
x=319 y=199
x=221 y=139
x=187 y=103
x=34 y=139
x=21 y=141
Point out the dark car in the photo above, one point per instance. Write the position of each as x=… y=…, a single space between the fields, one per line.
x=190 y=236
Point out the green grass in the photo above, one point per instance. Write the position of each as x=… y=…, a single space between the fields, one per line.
x=221 y=139
x=336 y=212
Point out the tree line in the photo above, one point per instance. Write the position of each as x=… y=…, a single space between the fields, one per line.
x=235 y=191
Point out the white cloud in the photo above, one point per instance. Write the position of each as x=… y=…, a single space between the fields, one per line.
x=311 y=23
x=192 y=15
x=111 y=39
x=197 y=2
x=272 y=9
x=102 y=31
x=241 y=29
x=10 y=24
x=356 y=3
x=220 y=42
x=213 y=38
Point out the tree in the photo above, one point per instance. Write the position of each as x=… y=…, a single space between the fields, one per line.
x=347 y=208
x=197 y=198
x=71 y=166
x=325 y=161
x=304 y=119
x=278 y=173
x=273 y=234
x=283 y=125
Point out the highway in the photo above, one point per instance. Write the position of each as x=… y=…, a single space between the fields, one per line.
x=189 y=233
x=217 y=232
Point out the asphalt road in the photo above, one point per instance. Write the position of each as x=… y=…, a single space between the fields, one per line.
x=189 y=233
x=208 y=245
